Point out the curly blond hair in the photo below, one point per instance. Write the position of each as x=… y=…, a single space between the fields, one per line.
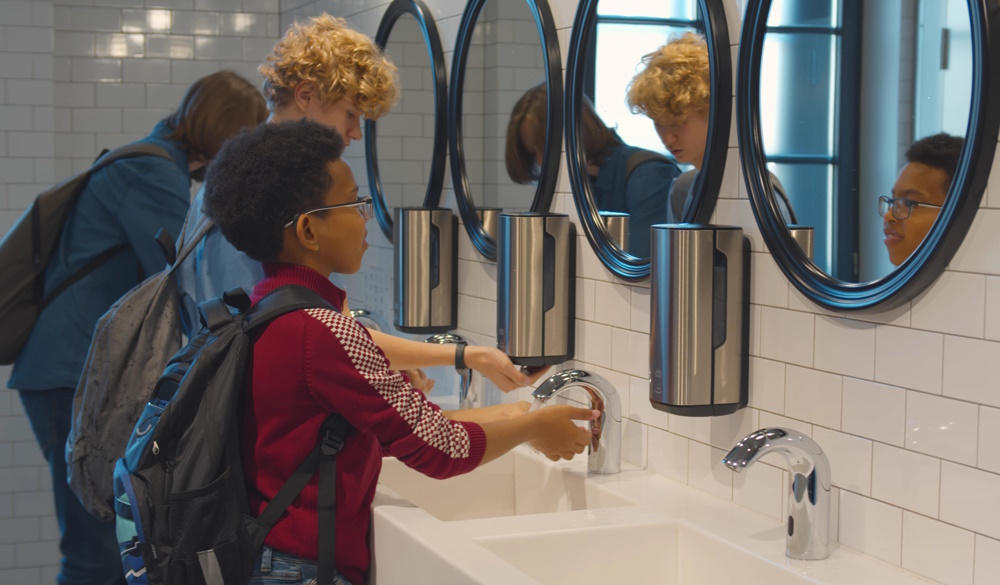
x=342 y=62
x=676 y=81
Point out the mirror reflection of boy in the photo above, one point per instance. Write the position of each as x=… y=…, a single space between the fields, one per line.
x=673 y=90
x=283 y=195
x=918 y=194
x=324 y=70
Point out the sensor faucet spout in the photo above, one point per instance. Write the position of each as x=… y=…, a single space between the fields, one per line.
x=605 y=449
x=808 y=518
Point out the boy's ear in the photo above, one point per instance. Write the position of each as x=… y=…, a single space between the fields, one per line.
x=305 y=93
x=305 y=234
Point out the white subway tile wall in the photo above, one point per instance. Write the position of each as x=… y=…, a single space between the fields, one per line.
x=938 y=550
x=904 y=400
x=987 y=565
x=906 y=479
x=871 y=526
x=77 y=76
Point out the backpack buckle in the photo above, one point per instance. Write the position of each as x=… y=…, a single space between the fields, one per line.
x=331 y=444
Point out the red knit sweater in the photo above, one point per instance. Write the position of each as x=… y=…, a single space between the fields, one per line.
x=312 y=362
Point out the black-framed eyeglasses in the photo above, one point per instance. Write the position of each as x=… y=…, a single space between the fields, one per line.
x=901 y=207
x=364 y=205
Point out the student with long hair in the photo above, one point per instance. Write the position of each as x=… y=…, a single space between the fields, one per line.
x=124 y=204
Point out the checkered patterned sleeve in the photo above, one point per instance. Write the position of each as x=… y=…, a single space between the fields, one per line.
x=377 y=399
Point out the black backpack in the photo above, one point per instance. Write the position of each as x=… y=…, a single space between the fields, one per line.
x=182 y=514
x=27 y=247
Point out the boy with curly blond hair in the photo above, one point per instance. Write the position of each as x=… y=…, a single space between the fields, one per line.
x=674 y=91
x=325 y=71
x=322 y=70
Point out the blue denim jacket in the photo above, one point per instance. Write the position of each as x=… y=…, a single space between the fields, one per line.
x=127 y=202
x=644 y=195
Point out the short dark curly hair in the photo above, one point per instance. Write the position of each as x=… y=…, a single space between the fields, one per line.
x=940 y=151
x=263 y=177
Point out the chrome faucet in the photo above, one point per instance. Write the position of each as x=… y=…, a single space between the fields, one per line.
x=605 y=449
x=808 y=518
x=468 y=396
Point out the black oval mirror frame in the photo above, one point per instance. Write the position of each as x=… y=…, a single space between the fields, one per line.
x=482 y=241
x=968 y=186
x=436 y=181
x=706 y=186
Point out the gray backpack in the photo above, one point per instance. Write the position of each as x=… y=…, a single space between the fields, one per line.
x=133 y=341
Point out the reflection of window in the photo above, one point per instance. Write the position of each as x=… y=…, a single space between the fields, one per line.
x=944 y=68
x=810 y=74
x=625 y=31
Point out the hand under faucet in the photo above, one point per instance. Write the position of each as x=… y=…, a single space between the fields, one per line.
x=606 y=445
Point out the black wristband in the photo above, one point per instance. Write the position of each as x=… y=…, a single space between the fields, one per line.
x=460 y=356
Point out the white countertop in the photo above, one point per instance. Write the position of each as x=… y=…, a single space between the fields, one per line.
x=413 y=546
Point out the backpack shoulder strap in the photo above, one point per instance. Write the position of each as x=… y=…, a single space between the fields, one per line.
x=283 y=300
x=639 y=156
x=334 y=431
x=129 y=151
x=94 y=263
x=322 y=459
x=189 y=239
x=331 y=440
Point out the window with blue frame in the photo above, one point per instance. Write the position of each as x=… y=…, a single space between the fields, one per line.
x=810 y=78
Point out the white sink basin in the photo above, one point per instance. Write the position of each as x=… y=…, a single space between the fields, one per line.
x=516 y=484
x=665 y=553
x=635 y=527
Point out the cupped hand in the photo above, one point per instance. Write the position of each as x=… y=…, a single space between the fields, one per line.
x=420 y=381
x=558 y=436
x=497 y=367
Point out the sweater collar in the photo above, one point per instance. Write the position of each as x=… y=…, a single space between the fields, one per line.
x=277 y=275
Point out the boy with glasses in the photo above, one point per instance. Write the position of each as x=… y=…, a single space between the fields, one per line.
x=363 y=204
x=918 y=194
x=295 y=213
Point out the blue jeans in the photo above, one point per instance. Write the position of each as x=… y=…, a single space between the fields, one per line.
x=278 y=568
x=88 y=545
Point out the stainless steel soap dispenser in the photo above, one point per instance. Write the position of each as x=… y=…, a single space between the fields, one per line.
x=804 y=236
x=699 y=319
x=425 y=270
x=536 y=287
x=616 y=223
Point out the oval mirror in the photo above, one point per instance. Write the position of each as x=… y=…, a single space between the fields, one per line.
x=871 y=123
x=648 y=109
x=506 y=88
x=405 y=150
